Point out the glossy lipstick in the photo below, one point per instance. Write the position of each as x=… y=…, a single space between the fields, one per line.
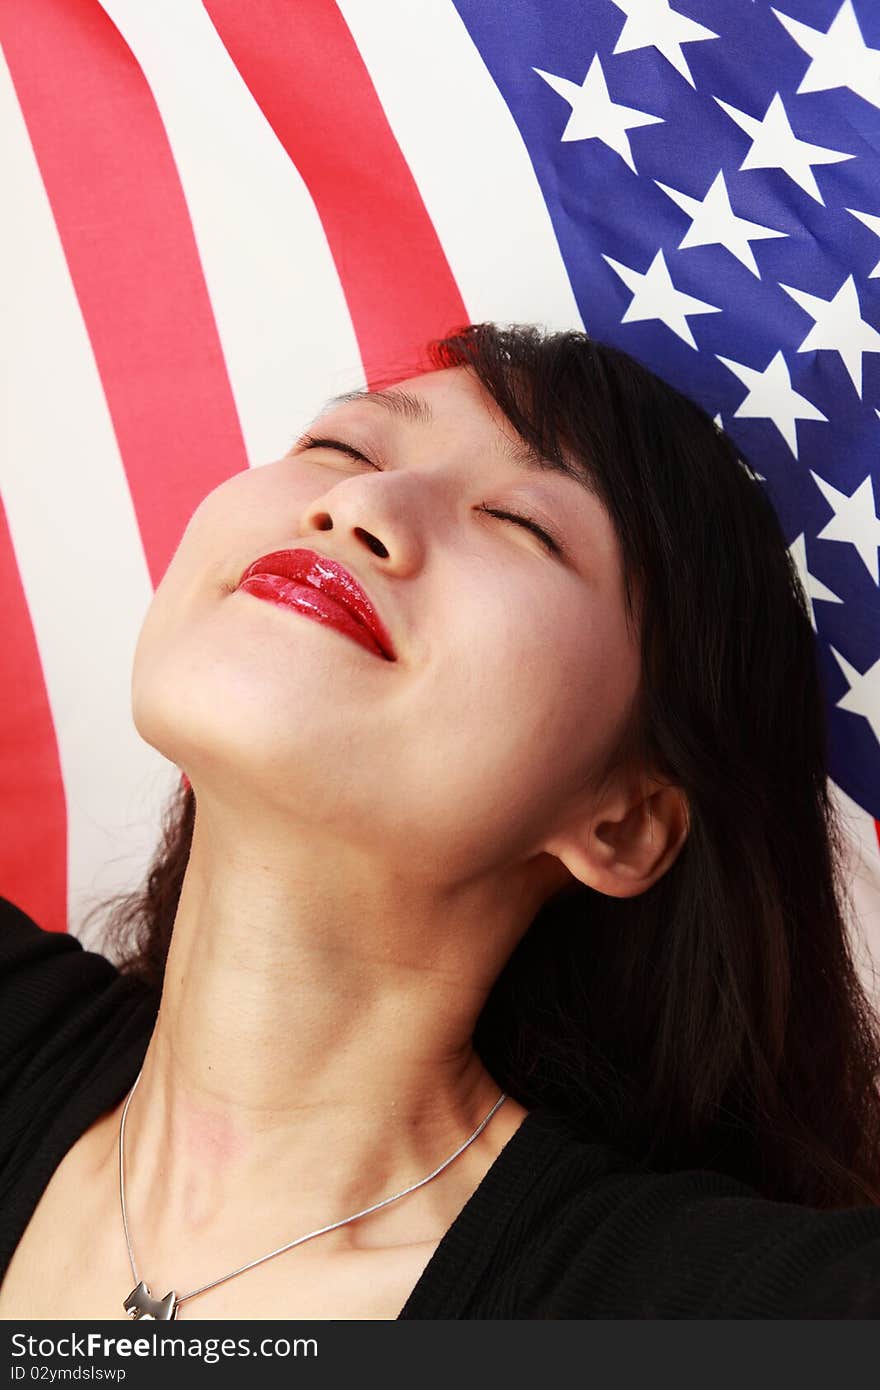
x=322 y=589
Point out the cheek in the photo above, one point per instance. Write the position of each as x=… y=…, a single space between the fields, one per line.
x=234 y=524
x=527 y=697
x=491 y=744
x=227 y=530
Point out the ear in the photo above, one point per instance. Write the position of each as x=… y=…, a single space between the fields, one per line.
x=626 y=843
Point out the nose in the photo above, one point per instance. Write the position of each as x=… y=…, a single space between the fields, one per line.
x=377 y=513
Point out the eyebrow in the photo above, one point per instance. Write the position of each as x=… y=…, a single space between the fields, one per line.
x=418 y=411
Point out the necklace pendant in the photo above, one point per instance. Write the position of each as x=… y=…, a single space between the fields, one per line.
x=142 y=1306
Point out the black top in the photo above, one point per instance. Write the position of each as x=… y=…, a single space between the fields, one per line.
x=558 y=1227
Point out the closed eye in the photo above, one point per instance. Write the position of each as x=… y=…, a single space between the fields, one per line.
x=309 y=442
x=544 y=537
x=551 y=542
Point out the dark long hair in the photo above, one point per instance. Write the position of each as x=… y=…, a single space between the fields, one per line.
x=718 y=1019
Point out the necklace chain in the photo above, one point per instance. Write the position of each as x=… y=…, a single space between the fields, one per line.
x=178 y=1299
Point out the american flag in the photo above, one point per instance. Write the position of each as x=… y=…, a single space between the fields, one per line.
x=217 y=214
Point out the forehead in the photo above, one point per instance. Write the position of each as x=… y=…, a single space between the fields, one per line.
x=447 y=396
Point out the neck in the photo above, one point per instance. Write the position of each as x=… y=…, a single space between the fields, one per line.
x=313 y=1048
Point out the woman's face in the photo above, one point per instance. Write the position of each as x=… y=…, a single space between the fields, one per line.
x=514 y=669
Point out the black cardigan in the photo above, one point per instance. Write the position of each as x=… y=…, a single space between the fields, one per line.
x=558 y=1228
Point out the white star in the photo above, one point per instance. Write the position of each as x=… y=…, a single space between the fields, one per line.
x=872 y=222
x=771 y=396
x=855 y=520
x=775 y=146
x=594 y=116
x=863 y=696
x=813 y=587
x=714 y=223
x=655 y=297
x=838 y=326
x=840 y=56
x=652 y=24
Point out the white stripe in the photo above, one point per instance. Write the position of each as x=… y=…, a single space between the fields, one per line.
x=468 y=159
x=282 y=318
x=75 y=538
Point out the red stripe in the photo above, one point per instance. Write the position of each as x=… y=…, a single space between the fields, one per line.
x=306 y=74
x=33 y=853
x=123 y=221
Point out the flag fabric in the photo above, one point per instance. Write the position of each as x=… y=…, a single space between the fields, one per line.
x=217 y=214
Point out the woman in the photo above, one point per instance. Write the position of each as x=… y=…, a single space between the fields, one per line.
x=540 y=820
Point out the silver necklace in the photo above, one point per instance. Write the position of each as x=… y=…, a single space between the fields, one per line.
x=141 y=1304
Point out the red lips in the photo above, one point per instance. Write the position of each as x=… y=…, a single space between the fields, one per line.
x=332 y=596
